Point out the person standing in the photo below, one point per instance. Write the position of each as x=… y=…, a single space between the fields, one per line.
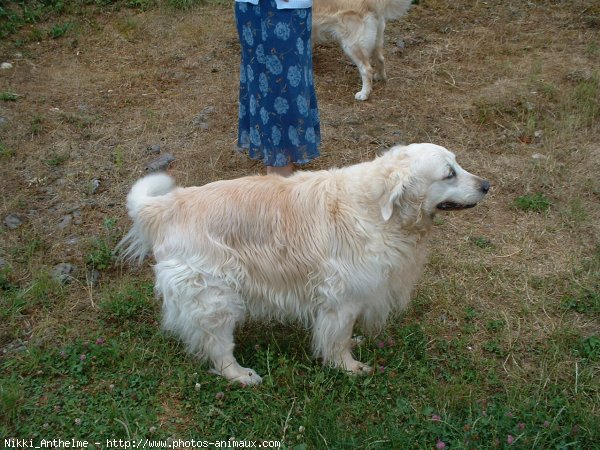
x=278 y=114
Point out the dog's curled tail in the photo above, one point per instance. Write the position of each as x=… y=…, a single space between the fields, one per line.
x=136 y=243
x=393 y=9
x=145 y=188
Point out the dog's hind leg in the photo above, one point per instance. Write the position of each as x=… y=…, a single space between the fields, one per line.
x=366 y=72
x=205 y=317
x=379 y=73
x=359 y=46
x=332 y=339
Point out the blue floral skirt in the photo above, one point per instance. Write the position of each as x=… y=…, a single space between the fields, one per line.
x=278 y=115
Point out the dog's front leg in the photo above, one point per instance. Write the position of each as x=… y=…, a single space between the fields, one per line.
x=332 y=339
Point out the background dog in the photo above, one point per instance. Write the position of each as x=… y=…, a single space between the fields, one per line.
x=327 y=248
x=358 y=25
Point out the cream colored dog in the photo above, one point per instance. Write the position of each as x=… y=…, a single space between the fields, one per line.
x=328 y=248
x=358 y=26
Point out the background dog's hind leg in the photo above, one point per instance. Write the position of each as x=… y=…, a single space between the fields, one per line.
x=332 y=339
x=359 y=46
x=361 y=60
x=379 y=60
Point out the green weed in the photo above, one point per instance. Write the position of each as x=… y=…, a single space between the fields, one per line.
x=58 y=31
x=481 y=242
x=8 y=96
x=58 y=159
x=5 y=151
x=119 y=157
x=536 y=203
x=36 y=125
x=101 y=256
x=184 y=4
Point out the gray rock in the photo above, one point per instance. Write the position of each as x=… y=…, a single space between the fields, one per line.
x=208 y=110
x=160 y=164
x=16 y=346
x=77 y=218
x=64 y=272
x=3 y=120
x=2 y=263
x=153 y=149
x=93 y=277
x=65 y=221
x=94 y=185
x=13 y=221
x=201 y=120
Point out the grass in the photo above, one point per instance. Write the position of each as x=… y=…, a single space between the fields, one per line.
x=8 y=96
x=14 y=15
x=500 y=347
x=537 y=202
x=124 y=377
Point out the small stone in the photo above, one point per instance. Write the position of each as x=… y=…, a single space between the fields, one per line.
x=92 y=278
x=12 y=221
x=400 y=44
x=63 y=272
x=160 y=164
x=202 y=118
x=94 y=185
x=155 y=149
x=3 y=120
x=2 y=263
x=16 y=346
x=537 y=156
x=6 y=66
x=208 y=110
x=65 y=221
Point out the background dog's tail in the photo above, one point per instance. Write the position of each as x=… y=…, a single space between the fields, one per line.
x=393 y=9
x=137 y=243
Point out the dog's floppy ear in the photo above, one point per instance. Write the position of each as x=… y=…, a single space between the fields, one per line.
x=393 y=189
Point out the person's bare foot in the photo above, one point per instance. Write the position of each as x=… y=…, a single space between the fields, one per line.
x=284 y=171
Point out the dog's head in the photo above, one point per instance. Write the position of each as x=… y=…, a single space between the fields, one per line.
x=429 y=175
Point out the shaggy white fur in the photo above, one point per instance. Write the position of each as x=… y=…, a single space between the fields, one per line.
x=358 y=26
x=327 y=248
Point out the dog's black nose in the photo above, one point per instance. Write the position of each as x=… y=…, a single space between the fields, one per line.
x=485 y=186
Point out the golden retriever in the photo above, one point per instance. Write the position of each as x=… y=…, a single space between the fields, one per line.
x=358 y=26
x=328 y=248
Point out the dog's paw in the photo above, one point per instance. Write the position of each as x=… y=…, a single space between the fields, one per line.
x=239 y=374
x=246 y=377
x=359 y=368
x=362 y=96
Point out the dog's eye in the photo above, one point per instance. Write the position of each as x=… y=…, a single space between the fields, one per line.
x=452 y=174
